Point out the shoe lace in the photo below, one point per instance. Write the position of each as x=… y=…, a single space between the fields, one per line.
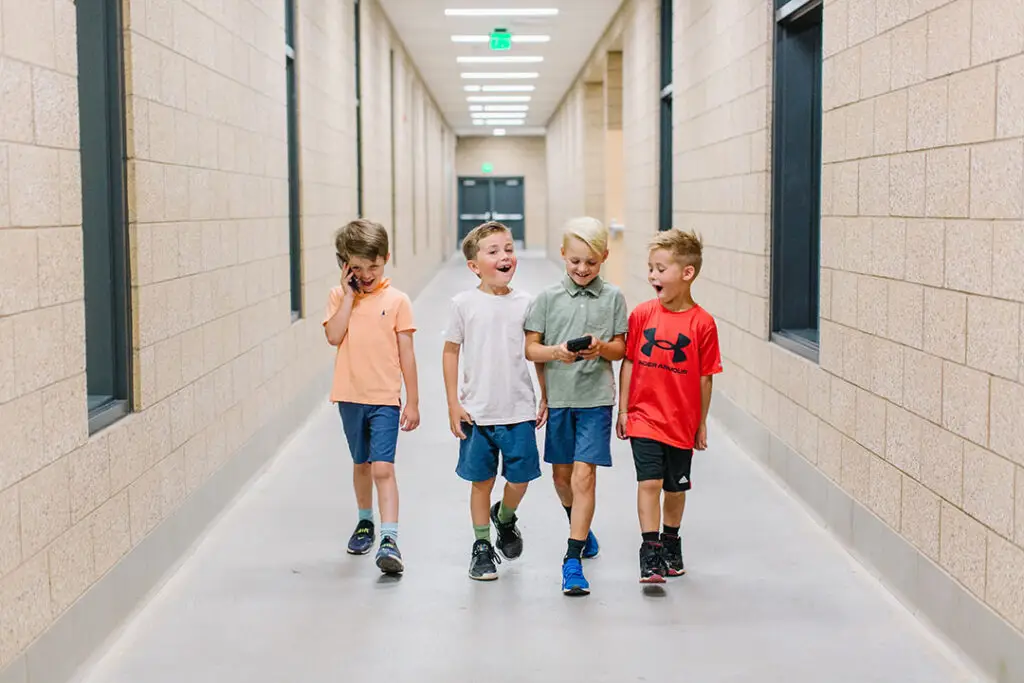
x=651 y=559
x=573 y=570
x=485 y=549
x=364 y=528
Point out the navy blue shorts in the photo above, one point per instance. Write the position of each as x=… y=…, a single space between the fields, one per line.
x=517 y=443
x=579 y=435
x=371 y=431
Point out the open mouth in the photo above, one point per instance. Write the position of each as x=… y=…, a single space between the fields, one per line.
x=505 y=269
x=657 y=288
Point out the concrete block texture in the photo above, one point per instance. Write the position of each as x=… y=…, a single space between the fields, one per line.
x=214 y=351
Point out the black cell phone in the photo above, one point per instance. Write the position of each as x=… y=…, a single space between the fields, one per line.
x=353 y=282
x=578 y=344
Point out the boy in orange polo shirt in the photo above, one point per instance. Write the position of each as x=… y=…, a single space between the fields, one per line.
x=371 y=323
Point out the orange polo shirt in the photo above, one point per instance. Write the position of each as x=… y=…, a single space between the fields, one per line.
x=366 y=367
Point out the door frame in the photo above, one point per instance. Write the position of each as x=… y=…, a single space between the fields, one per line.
x=489 y=215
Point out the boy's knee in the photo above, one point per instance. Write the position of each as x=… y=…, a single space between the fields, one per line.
x=650 y=486
x=583 y=478
x=519 y=488
x=382 y=471
x=485 y=486
x=562 y=477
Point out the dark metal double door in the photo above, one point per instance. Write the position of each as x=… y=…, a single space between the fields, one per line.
x=492 y=199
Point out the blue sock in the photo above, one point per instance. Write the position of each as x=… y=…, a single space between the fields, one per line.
x=366 y=515
x=389 y=529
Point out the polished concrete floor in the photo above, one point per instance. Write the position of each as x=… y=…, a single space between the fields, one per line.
x=270 y=596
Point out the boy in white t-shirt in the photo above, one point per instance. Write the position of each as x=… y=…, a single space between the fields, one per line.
x=492 y=408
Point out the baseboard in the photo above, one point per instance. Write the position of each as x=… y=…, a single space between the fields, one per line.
x=983 y=637
x=79 y=633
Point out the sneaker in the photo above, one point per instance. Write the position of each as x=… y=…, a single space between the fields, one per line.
x=389 y=559
x=362 y=538
x=652 y=564
x=673 y=554
x=509 y=541
x=482 y=567
x=592 y=548
x=573 y=581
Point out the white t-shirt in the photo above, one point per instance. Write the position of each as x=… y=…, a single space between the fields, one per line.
x=495 y=385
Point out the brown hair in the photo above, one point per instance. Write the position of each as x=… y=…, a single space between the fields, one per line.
x=471 y=243
x=362 y=238
x=686 y=247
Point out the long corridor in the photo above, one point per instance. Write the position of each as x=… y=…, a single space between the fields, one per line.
x=269 y=594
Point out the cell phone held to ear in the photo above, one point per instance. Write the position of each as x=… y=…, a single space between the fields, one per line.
x=578 y=344
x=353 y=281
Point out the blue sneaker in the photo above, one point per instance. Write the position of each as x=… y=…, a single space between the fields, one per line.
x=592 y=548
x=362 y=538
x=389 y=559
x=573 y=581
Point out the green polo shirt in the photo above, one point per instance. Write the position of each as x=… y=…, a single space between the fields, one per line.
x=566 y=311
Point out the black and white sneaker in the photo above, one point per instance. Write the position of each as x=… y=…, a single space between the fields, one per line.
x=673 y=554
x=482 y=565
x=509 y=541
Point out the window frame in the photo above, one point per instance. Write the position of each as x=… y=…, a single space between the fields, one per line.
x=357 y=27
x=797 y=165
x=665 y=170
x=294 y=198
x=103 y=151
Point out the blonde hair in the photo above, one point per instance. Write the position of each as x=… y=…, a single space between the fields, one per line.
x=588 y=230
x=362 y=238
x=687 y=248
x=471 y=243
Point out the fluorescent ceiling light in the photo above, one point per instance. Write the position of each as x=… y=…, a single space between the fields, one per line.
x=498 y=114
x=498 y=98
x=500 y=107
x=518 y=12
x=499 y=88
x=509 y=59
x=499 y=131
x=476 y=107
x=482 y=38
x=498 y=122
x=499 y=74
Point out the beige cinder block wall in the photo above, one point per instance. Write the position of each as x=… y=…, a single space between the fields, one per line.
x=636 y=26
x=914 y=410
x=511 y=155
x=88 y=524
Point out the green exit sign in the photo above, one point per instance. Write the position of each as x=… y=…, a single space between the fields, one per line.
x=487 y=167
x=501 y=39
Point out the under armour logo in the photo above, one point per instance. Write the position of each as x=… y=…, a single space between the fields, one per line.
x=678 y=355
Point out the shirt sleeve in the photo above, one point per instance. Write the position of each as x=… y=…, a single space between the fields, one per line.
x=710 y=354
x=456 y=327
x=536 y=314
x=621 y=323
x=333 y=304
x=633 y=335
x=404 y=321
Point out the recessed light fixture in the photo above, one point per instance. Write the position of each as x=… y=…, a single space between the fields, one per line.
x=499 y=131
x=498 y=115
x=499 y=74
x=498 y=98
x=518 y=12
x=515 y=38
x=499 y=88
x=501 y=107
x=510 y=59
x=498 y=122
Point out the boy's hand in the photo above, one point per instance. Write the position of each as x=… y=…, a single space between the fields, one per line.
x=346 y=275
x=594 y=350
x=562 y=353
x=620 y=426
x=700 y=443
x=456 y=416
x=410 y=418
x=542 y=413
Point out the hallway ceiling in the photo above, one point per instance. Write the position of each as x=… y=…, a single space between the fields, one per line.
x=427 y=33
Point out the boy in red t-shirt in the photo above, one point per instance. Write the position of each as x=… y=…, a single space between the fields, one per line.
x=664 y=395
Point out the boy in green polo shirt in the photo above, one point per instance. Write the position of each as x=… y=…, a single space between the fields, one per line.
x=580 y=386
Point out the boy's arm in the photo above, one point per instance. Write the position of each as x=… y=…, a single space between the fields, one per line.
x=407 y=360
x=625 y=376
x=539 y=353
x=615 y=349
x=542 y=410
x=336 y=326
x=450 y=367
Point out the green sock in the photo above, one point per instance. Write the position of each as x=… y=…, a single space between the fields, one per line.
x=505 y=514
x=483 y=533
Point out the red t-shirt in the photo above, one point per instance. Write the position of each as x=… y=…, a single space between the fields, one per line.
x=670 y=352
